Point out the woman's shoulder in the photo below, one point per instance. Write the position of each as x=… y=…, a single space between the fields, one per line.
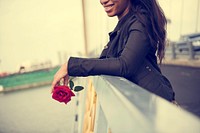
x=138 y=20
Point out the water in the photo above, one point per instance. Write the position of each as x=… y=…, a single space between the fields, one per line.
x=34 y=111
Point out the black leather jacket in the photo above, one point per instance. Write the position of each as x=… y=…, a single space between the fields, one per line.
x=128 y=54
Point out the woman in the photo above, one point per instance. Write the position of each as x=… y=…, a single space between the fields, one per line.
x=130 y=53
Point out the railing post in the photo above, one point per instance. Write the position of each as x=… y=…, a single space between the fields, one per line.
x=190 y=50
x=173 y=50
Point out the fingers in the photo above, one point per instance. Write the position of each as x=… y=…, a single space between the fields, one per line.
x=61 y=73
x=56 y=81
x=66 y=79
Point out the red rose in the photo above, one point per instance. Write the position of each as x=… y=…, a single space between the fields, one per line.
x=62 y=94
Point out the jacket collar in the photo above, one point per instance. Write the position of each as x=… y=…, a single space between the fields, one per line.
x=121 y=22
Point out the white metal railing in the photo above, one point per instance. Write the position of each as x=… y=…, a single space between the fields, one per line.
x=114 y=105
x=185 y=47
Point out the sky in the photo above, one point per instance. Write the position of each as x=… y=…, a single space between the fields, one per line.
x=33 y=31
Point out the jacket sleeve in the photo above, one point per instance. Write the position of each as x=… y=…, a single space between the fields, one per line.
x=125 y=65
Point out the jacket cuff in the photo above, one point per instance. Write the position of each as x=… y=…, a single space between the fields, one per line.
x=73 y=65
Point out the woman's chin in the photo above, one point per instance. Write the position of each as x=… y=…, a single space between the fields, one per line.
x=111 y=15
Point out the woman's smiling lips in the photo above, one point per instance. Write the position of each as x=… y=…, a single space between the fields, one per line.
x=108 y=7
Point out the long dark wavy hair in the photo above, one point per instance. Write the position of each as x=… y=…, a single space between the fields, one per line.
x=157 y=23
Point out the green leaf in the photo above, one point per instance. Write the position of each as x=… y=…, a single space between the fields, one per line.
x=71 y=84
x=78 y=88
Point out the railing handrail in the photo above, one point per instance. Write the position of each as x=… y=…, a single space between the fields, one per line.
x=188 y=40
x=129 y=108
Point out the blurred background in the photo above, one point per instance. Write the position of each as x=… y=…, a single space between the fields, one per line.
x=36 y=36
x=34 y=31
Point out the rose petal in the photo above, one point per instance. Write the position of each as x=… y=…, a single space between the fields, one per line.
x=62 y=94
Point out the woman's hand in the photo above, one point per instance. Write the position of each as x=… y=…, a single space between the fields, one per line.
x=61 y=74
